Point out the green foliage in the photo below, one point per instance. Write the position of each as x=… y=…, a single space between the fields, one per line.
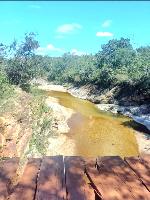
x=116 y=64
x=77 y=70
x=20 y=68
x=6 y=90
x=41 y=132
x=41 y=126
x=3 y=49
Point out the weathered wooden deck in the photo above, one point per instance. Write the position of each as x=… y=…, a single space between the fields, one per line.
x=77 y=178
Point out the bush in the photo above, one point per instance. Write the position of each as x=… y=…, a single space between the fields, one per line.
x=6 y=90
x=25 y=87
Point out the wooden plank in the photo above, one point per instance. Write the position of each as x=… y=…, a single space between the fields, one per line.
x=146 y=158
x=127 y=176
x=141 y=167
x=77 y=185
x=92 y=174
x=108 y=185
x=8 y=170
x=25 y=189
x=51 y=179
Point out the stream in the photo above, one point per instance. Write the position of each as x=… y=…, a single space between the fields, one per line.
x=95 y=132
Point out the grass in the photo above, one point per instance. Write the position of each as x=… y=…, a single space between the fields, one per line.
x=41 y=125
x=7 y=95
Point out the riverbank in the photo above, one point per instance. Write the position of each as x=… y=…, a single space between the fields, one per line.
x=15 y=124
x=61 y=143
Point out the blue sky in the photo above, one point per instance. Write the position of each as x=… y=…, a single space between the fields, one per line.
x=75 y=26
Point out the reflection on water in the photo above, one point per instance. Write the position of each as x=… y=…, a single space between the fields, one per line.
x=96 y=132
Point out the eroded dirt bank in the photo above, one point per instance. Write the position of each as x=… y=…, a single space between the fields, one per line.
x=15 y=125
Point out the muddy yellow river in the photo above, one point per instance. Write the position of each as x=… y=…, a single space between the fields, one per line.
x=95 y=132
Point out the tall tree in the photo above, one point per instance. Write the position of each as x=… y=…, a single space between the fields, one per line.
x=20 y=68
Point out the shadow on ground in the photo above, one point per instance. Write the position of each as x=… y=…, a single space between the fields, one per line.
x=136 y=126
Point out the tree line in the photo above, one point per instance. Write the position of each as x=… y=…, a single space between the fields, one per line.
x=117 y=64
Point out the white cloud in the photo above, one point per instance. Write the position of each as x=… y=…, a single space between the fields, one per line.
x=46 y=50
x=51 y=47
x=77 y=53
x=106 y=23
x=68 y=28
x=104 y=34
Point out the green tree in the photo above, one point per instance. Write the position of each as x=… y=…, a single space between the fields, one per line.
x=20 y=68
x=113 y=62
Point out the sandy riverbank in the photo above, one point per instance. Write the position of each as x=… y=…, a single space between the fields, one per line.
x=61 y=144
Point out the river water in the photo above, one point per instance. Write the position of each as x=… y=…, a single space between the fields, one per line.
x=96 y=132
